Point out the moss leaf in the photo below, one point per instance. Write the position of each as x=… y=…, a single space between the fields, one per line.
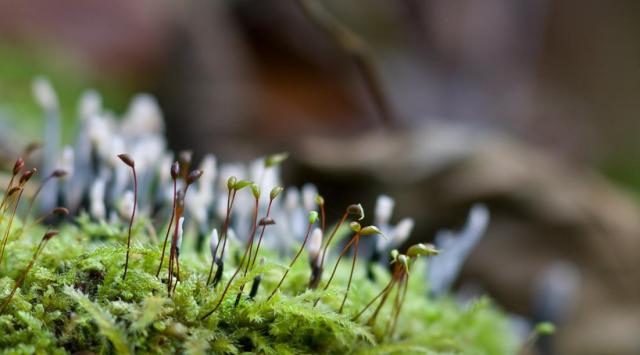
x=103 y=320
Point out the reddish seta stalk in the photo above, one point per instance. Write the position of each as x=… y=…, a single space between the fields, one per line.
x=313 y=216
x=335 y=268
x=249 y=247
x=174 y=241
x=385 y=290
x=398 y=303
x=237 y=186
x=353 y=266
x=326 y=247
x=48 y=235
x=266 y=221
x=369 y=230
x=174 y=260
x=58 y=211
x=126 y=159
x=175 y=171
x=17 y=167
x=56 y=174
x=323 y=215
x=358 y=213
x=225 y=227
x=215 y=260
x=398 y=275
x=26 y=176
x=400 y=278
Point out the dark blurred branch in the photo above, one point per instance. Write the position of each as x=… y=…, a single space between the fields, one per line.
x=350 y=43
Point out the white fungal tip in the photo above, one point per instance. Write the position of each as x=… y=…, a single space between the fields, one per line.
x=164 y=173
x=143 y=116
x=478 y=220
x=208 y=166
x=198 y=207
x=67 y=159
x=309 y=193
x=90 y=104
x=44 y=93
x=180 y=232
x=292 y=199
x=315 y=243
x=96 y=200
x=384 y=209
x=213 y=241
x=402 y=231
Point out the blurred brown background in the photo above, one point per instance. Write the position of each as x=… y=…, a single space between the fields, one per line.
x=527 y=105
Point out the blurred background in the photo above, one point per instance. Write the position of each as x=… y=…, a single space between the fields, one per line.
x=528 y=106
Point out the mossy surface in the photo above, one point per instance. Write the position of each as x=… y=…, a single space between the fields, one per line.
x=74 y=299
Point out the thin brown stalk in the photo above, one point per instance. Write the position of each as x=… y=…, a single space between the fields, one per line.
x=353 y=266
x=17 y=167
x=215 y=251
x=323 y=217
x=249 y=248
x=226 y=289
x=324 y=251
x=223 y=234
x=55 y=174
x=390 y=284
x=24 y=273
x=372 y=320
x=5 y=238
x=174 y=256
x=405 y=285
x=174 y=241
x=335 y=268
x=133 y=214
x=264 y=227
x=225 y=227
x=63 y=211
x=166 y=236
x=396 y=307
x=306 y=237
x=397 y=275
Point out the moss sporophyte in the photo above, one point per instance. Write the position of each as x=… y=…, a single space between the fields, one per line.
x=103 y=284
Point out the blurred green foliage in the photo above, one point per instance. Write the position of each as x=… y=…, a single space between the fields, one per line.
x=18 y=67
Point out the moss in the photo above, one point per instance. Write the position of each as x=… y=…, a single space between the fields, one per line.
x=74 y=299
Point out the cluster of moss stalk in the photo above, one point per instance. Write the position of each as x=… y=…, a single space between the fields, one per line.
x=250 y=255
x=219 y=317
